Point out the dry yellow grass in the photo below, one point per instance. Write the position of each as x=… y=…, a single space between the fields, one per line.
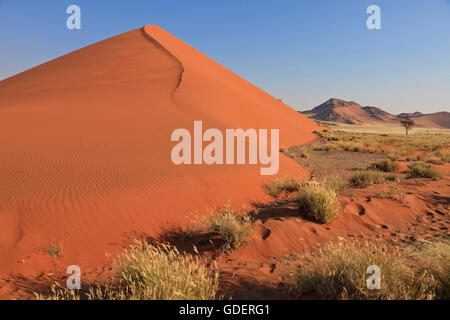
x=318 y=202
x=230 y=226
x=340 y=272
x=282 y=186
x=147 y=272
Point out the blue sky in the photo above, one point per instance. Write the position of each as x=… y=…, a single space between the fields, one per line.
x=302 y=51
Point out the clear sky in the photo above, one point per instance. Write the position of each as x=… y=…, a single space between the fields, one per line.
x=302 y=51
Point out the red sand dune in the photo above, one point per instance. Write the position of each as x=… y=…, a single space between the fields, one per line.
x=85 y=146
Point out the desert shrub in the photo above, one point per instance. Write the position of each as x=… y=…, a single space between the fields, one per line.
x=366 y=177
x=423 y=171
x=282 y=186
x=230 y=226
x=385 y=165
x=318 y=202
x=340 y=272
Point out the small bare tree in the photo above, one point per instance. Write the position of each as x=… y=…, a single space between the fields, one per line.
x=407 y=124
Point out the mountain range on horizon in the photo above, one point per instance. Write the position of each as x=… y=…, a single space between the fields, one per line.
x=350 y=112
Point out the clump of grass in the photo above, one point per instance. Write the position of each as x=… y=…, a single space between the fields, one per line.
x=340 y=272
x=54 y=249
x=366 y=177
x=147 y=272
x=282 y=186
x=318 y=202
x=385 y=165
x=230 y=226
x=423 y=171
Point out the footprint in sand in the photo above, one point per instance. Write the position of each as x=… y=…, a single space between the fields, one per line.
x=265 y=233
x=356 y=208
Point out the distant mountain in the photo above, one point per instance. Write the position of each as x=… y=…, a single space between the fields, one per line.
x=350 y=112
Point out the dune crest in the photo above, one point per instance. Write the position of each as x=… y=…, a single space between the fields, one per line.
x=85 y=146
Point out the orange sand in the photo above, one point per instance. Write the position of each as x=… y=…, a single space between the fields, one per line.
x=85 y=146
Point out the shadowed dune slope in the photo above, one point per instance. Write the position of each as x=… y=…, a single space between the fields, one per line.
x=85 y=145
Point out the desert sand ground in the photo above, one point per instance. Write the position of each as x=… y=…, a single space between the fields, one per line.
x=85 y=169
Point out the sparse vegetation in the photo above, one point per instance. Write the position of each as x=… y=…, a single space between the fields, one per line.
x=366 y=177
x=318 y=202
x=395 y=146
x=418 y=170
